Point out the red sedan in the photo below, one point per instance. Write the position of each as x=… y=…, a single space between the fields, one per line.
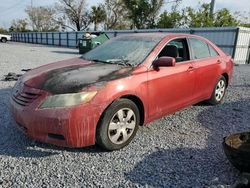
x=131 y=80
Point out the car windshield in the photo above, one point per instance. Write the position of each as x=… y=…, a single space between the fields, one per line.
x=126 y=50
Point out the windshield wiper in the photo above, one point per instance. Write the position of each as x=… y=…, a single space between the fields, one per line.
x=114 y=61
x=123 y=62
x=101 y=61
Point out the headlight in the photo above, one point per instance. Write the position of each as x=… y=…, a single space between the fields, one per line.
x=66 y=100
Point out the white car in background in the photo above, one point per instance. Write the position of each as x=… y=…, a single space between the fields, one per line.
x=4 y=38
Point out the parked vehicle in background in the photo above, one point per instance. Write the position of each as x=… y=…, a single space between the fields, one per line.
x=131 y=80
x=5 y=38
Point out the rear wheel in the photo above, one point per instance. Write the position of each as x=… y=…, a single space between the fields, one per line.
x=4 y=40
x=118 y=125
x=219 y=91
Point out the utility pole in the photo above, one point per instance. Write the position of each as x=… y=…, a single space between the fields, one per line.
x=212 y=8
x=31 y=7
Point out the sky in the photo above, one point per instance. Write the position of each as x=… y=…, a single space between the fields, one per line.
x=14 y=9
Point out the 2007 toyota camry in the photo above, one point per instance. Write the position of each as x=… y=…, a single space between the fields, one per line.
x=131 y=80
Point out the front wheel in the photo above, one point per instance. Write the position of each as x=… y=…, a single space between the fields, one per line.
x=118 y=125
x=4 y=40
x=218 y=92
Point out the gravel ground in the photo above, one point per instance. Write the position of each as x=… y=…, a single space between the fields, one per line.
x=180 y=150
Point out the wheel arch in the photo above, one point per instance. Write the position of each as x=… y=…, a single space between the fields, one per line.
x=3 y=38
x=226 y=77
x=138 y=102
x=101 y=133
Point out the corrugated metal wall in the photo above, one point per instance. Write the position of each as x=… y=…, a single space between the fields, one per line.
x=242 y=50
x=227 y=38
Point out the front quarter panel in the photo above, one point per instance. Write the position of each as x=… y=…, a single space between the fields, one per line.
x=135 y=84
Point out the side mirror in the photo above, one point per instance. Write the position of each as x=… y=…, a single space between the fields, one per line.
x=164 y=61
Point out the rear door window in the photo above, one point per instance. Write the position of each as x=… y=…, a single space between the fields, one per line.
x=213 y=53
x=199 y=48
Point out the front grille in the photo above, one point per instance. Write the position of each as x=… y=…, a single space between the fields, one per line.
x=23 y=97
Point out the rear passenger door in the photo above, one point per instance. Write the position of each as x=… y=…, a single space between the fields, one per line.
x=206 y=63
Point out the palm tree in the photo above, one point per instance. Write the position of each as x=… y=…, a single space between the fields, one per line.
x=98 y=15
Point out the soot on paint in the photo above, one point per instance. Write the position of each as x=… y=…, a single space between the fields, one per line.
x=75 y=78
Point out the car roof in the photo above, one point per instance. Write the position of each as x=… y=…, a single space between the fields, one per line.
x=157 y=35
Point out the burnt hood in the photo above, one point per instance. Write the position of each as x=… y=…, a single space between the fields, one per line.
x=74 y=75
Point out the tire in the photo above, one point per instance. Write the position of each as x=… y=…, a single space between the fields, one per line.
x=4 y=40
x=114 y=131
x=218 y=92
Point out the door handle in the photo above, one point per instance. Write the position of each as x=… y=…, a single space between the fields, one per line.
x=218 y=61
x=191 y=68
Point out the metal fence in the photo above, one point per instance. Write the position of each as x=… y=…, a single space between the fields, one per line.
x=242 y=48
x=232 y=40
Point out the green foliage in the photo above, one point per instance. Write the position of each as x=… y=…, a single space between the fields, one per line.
x=19 y=25
x=199 y=18
x=154 y=10
x=169 y=20
x=224 y=18
x=245 y=25
x=202 y=17
x=124 y=14
x=143 y=13
x=243 y=17
x=97 y=15
x=3 y=31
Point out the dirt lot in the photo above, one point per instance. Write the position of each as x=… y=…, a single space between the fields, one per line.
x=180 y=150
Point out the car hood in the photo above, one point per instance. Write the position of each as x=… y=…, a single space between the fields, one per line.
x=5 y=35
x=74 y=75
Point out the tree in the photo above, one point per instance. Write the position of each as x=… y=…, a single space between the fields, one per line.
x=19 y=25
x=3 y=31
x=243 y=18
x=143 y=13
x=171 y=19
x=42 y=18
x=154 y=10
x=116 y=14
x=97 y=15
x=199 y=18
x=245 y=25
x=202 y=17
x=223 y=18
x=75 y=12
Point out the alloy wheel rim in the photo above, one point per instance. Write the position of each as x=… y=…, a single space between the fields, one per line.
x=220 y=90
x=122 y=126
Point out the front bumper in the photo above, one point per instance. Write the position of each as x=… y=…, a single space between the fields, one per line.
x=68 y=127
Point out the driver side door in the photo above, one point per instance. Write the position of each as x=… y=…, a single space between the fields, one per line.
x=171 y=88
